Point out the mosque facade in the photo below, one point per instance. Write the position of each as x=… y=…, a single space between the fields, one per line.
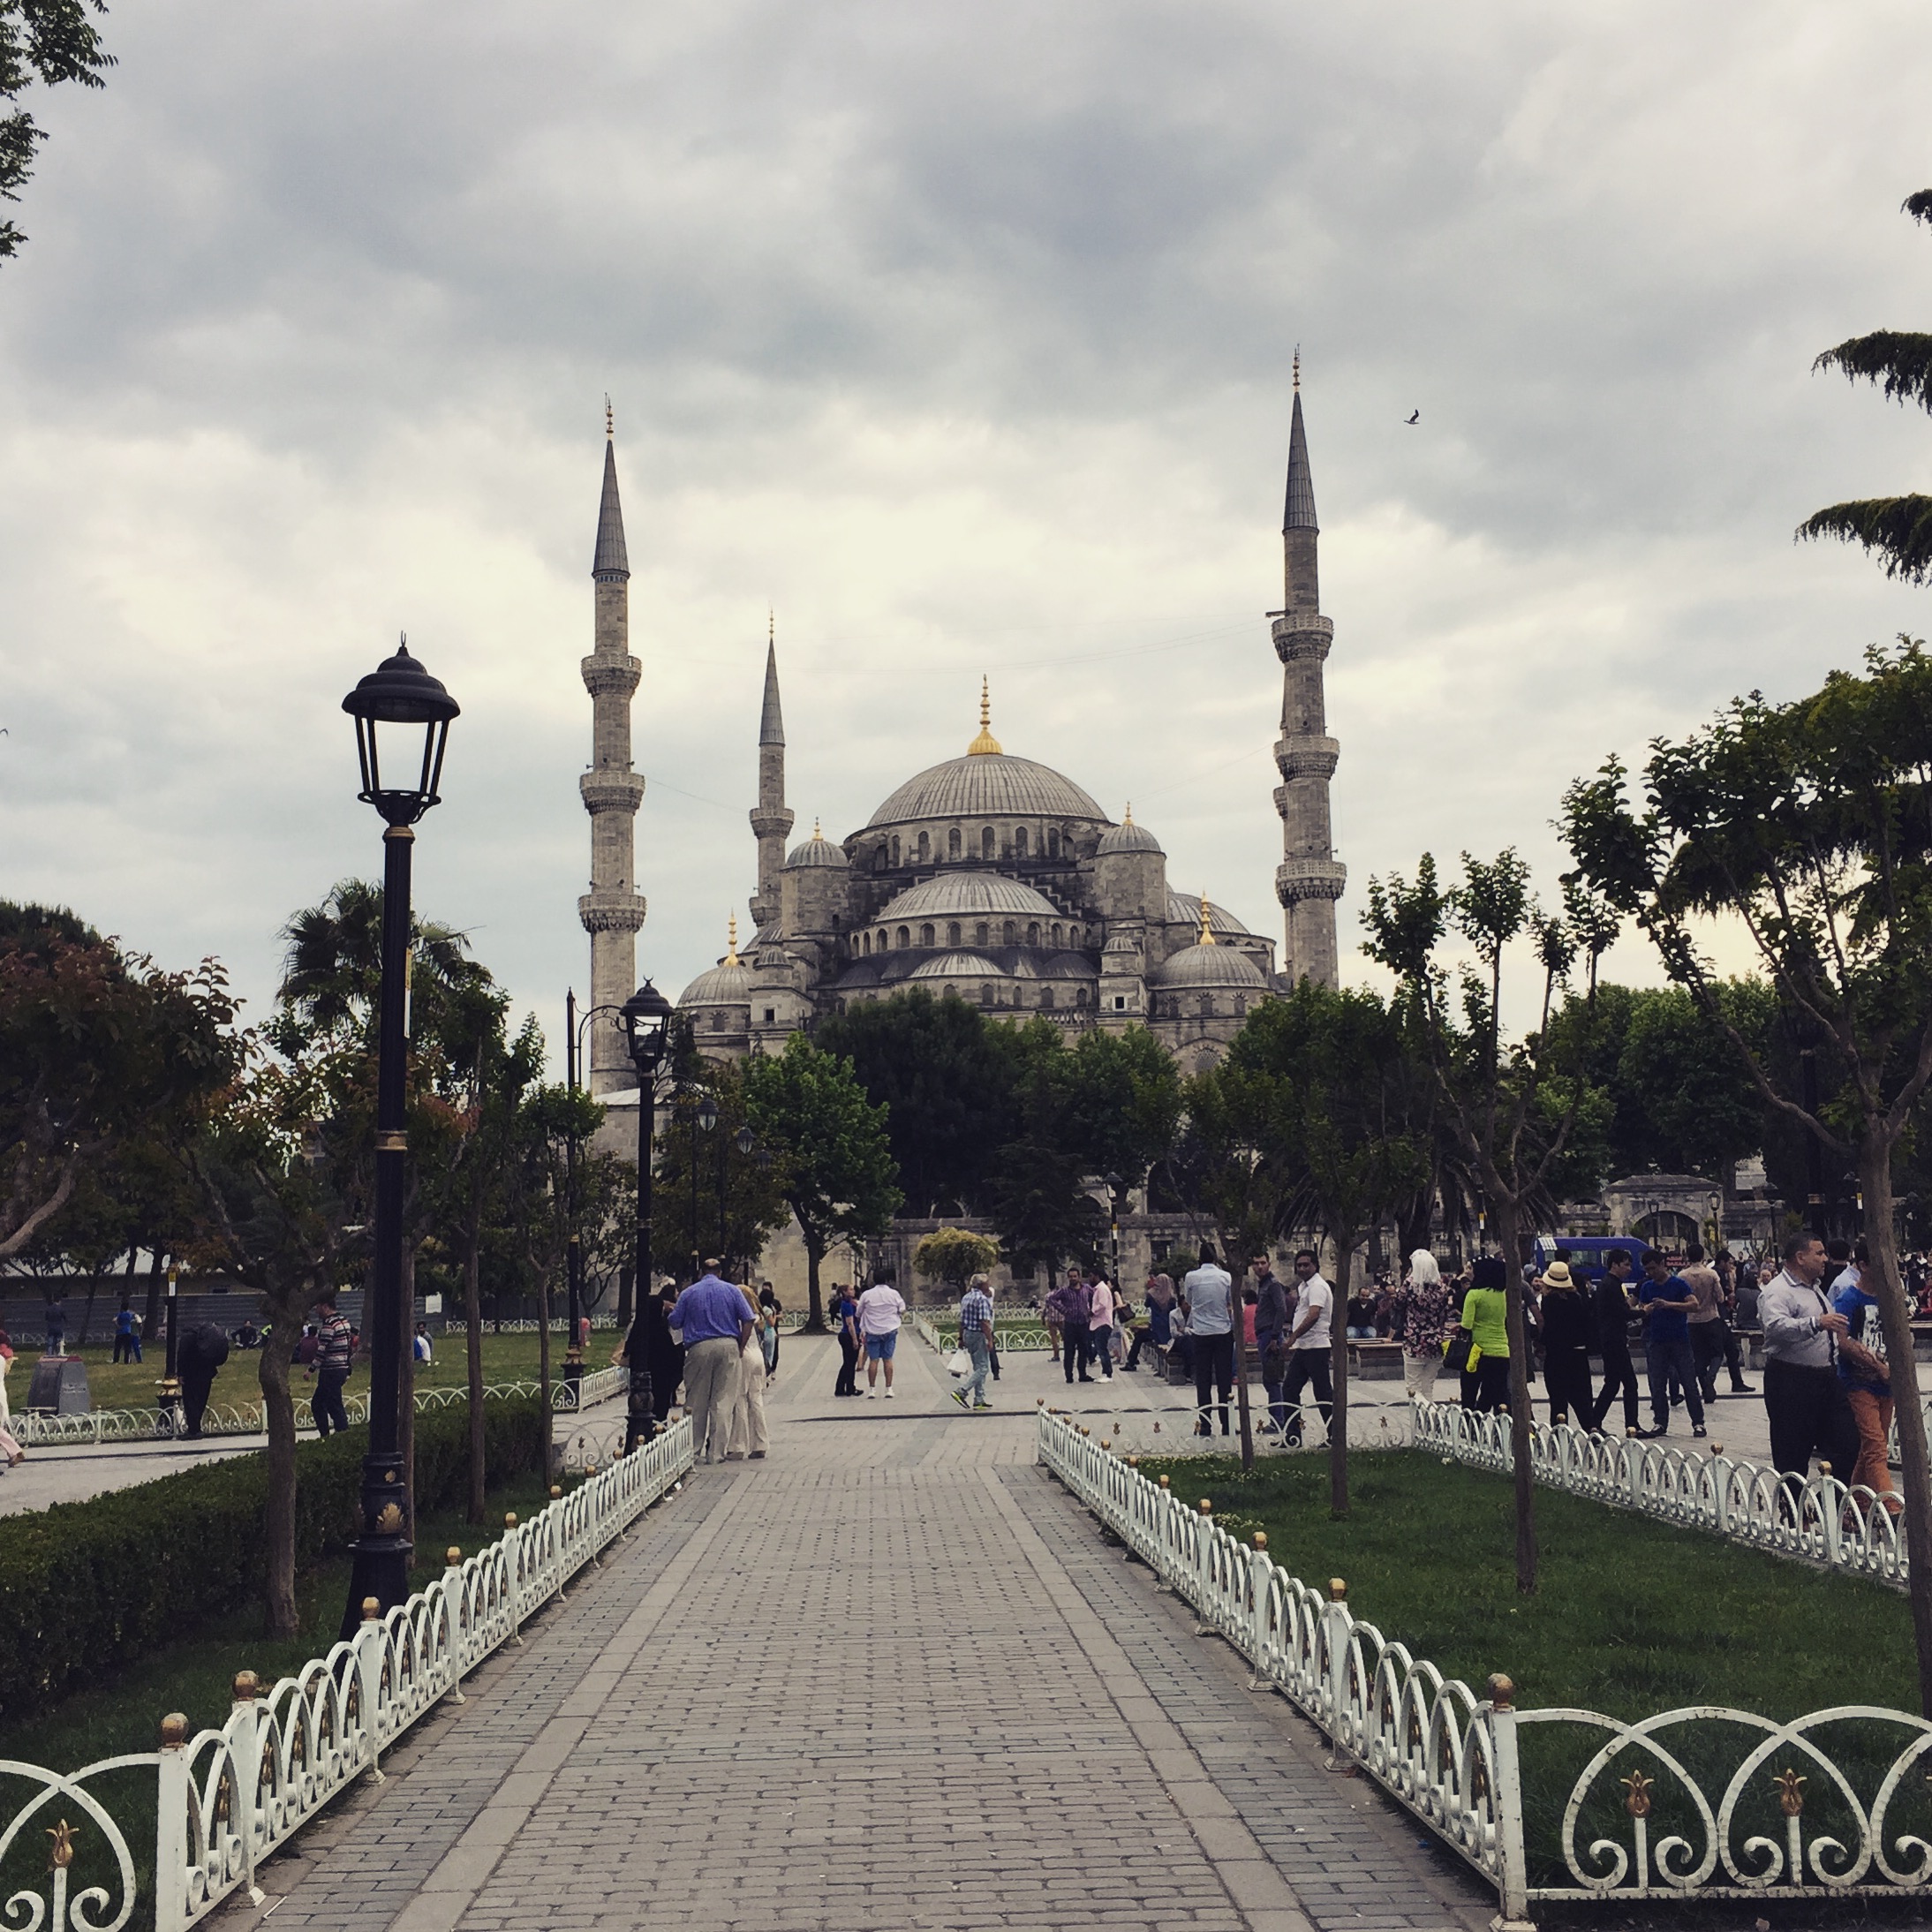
x=994 y=879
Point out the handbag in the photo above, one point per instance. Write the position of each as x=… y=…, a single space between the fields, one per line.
x=959 y=1362
x=1455 y=1355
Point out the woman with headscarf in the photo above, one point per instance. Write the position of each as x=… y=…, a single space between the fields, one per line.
x=1159 y=1331
x=1427 y=1316
x=1485 y=1382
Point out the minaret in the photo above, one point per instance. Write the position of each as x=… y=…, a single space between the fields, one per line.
x=613 y=910
x=770 y=821
x=1309 y=880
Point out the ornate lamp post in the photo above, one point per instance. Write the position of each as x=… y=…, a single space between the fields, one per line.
x=398 y=693
x=1115 y=1188
x=646 y=1016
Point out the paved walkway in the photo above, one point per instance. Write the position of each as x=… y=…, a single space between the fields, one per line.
x=891 y=1677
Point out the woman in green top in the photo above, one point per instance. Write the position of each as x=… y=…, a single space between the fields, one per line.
x=1485 y=1382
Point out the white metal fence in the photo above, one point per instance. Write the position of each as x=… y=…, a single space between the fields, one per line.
x=224 y=1800
x=1545 y=1804
x=245 y=1418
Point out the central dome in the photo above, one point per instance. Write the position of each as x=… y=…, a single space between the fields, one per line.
x=953 y=893
x=988 y=785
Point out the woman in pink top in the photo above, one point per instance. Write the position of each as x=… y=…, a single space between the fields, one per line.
x=1101 y=1327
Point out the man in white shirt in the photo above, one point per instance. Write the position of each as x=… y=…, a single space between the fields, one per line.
x=879 y=1309
x=1310 y=1343
x=1208 y=1297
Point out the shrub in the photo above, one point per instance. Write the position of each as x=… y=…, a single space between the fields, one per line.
x=90 y=1586
x=954 y=1256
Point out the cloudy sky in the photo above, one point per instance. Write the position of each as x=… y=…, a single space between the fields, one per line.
x=959 y=337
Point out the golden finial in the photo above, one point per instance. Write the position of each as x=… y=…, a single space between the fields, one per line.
x=816 y=831
x=770 y=626
x=1207 y=927
x=1298 y=365
x=731 y=942
x=985 y=745
x=1128 y=819
x=62 y=1836
x=610 y=425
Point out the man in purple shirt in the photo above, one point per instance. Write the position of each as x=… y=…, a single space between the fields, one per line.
x=715 y=1320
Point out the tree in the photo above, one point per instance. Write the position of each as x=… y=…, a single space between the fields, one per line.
x=942 y=1073
x=954 y=1256
x=1898 y=529
x=753 y=1199
x=48 y=40
x=832 y=1159
x=1810 y=822
x=1497 y=1094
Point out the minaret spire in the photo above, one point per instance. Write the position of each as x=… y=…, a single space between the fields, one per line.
x=613 y=910
x=1309 y=879
x=771 y=819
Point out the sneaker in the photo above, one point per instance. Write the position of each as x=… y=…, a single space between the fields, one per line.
x=959 y=1396
x=1650 y=1435
x=871 y=1392
x=982 y=1405
x=888 y=1394
x=1698 y=1429
x=1744 y=1388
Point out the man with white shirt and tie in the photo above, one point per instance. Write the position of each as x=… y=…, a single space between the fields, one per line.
x=1804 y=1398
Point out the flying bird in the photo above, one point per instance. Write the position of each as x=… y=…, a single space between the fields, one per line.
x=1413 y=419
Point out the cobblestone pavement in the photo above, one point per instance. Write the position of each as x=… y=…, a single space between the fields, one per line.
x=890 y=1678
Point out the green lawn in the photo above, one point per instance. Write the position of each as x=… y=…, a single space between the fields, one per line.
x=1631 y=1617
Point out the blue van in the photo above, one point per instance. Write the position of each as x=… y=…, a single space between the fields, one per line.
x=1586 y=1253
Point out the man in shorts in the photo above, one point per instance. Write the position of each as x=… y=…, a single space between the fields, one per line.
x=879 y=1309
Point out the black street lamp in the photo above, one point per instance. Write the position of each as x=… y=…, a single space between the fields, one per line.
x=704 y=1114
x=745 y=1140
x=399 y=692
x=646 y=1017
x=172 y=1421
x=1115 y=1187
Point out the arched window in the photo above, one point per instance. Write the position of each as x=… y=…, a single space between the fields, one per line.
x=1053 y=841
x=866 y=944
x=1241 y=1003
x=1010 y=933
x=989 y=845
x=1046 y=997
x=981 y=933
x=1019 y=841
x=896 y=848
x=952 y=843
x=905 y=937
x=952 y=932
x=717 y=1022
x=985 y=995
x=1207 y=1006
x=1059 y=937
x=925 y=935
x=1033 y=932
x=925 y=850
x=1080 y=996
x=878 y=858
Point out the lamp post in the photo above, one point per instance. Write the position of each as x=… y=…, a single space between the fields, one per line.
x=1115 y=1186
x=704 y=1114
x=399 y=692
x=171 y=1386
x=646 y=1016
x=746 y=1140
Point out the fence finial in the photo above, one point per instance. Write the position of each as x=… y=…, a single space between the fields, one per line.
x=1502 y=1692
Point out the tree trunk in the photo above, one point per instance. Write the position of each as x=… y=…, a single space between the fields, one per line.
x=1895 y=1317
x=543 y=1362
x=1236 y=1270
x=472 y=1326
x=156 y=1279
x=1509 y=1237
x=405 y=1397
x=814 y=1304
x=278 y=1523
x=1338 y=1424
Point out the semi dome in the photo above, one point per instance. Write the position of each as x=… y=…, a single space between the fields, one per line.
x=1210 y=966
x=816 y=850
x=1070 y=966
x=953 y=893
x=957 y=966
x=1184 y=908
x=988 y=785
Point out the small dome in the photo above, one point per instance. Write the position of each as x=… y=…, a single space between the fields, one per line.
x=1069 y=966
x=953 y=895
x=1184 y=908
x=957 y=966
x=1127 y=837
x=860 y=974
x=816 y=850
x=1210 y=966
x=727 y=984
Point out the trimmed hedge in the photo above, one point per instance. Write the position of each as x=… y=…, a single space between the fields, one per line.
x=86 y=1588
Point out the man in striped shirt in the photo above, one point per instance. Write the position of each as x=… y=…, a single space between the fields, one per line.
x=332 y=1358
x=976 y=1338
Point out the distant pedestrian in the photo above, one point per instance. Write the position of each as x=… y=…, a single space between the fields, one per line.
x=423 y=1348
x=1272 y=1300
x=1068 y=1306
x=1668 y=1301
x=9 y=1447
x=202 y=1351
x=976 y=1338
x=1712 y=1343
x=1207 y=1295
x=334 y=1355
x=127 y=1340
x=879 y=1309
x=1867 y=1376
x=845 y=1310
x=716 y=1320
x=1566 y=1347
x=57 y=1326
x=1157 y=1330
x=769 y=1304
x=1100 y=1324
x=1426 y=1315
x=749 y=1434
x=1611 y=1309
x=1485 y=1316
x=1310 y=1345
x=1804 y=1399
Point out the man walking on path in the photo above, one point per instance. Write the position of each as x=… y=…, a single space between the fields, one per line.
x=716 y=1321
x=1710 y=1336
x=976 y=1338
x=1611 y=1309
x=331 y=1367
x=1668 y=1301
x=1100 y=1324
x=1310 y=1347
x=1804 y=1399
x=1272 y=1302
x=879 y=1309
x=1208 y=1297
